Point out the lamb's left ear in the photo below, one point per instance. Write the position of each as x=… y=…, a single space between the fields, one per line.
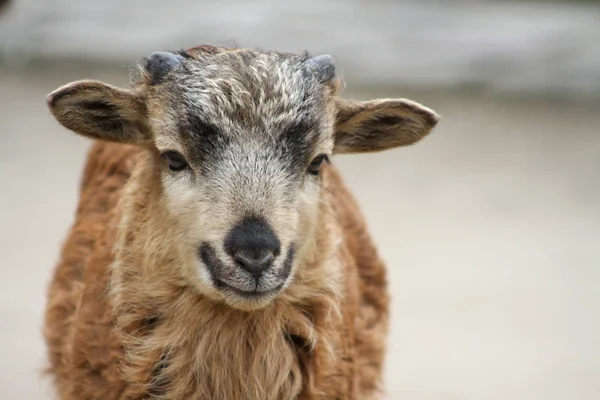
x=100 y=111
x=376 y=125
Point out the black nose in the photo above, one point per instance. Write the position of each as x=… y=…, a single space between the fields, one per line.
x=253 y=245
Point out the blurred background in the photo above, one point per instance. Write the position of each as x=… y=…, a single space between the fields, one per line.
x=490 y=226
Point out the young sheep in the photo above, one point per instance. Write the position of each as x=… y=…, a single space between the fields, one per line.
x=216 y=253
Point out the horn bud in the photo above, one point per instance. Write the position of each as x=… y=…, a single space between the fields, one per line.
x=323 y=67
x=159 y=64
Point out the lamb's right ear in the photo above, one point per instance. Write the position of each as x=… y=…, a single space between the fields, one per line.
x=100 y=111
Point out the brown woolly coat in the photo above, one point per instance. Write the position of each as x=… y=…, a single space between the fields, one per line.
x=156 y=338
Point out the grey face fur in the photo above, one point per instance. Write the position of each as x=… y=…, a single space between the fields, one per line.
x=237 y=137
x=248 y=124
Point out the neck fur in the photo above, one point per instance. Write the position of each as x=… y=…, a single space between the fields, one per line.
x=181 y=344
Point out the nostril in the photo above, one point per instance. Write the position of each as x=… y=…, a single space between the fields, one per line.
x=254 y=263
x=253 y=245
x=249 y=260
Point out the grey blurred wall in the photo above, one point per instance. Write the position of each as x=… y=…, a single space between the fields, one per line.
x=523 y=47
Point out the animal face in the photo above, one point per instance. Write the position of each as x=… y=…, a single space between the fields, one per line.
x=241 y=138
x=238 y=139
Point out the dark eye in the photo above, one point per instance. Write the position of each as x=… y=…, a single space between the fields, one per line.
x=175 y=160
x=316 y=164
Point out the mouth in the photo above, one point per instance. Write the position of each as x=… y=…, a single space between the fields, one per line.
x=251 y=291
x=247 y=294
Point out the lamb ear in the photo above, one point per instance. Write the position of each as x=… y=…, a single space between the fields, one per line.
x=100 y=111
x=377 y=125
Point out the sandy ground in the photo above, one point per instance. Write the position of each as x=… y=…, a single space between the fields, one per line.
x=490 y=227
